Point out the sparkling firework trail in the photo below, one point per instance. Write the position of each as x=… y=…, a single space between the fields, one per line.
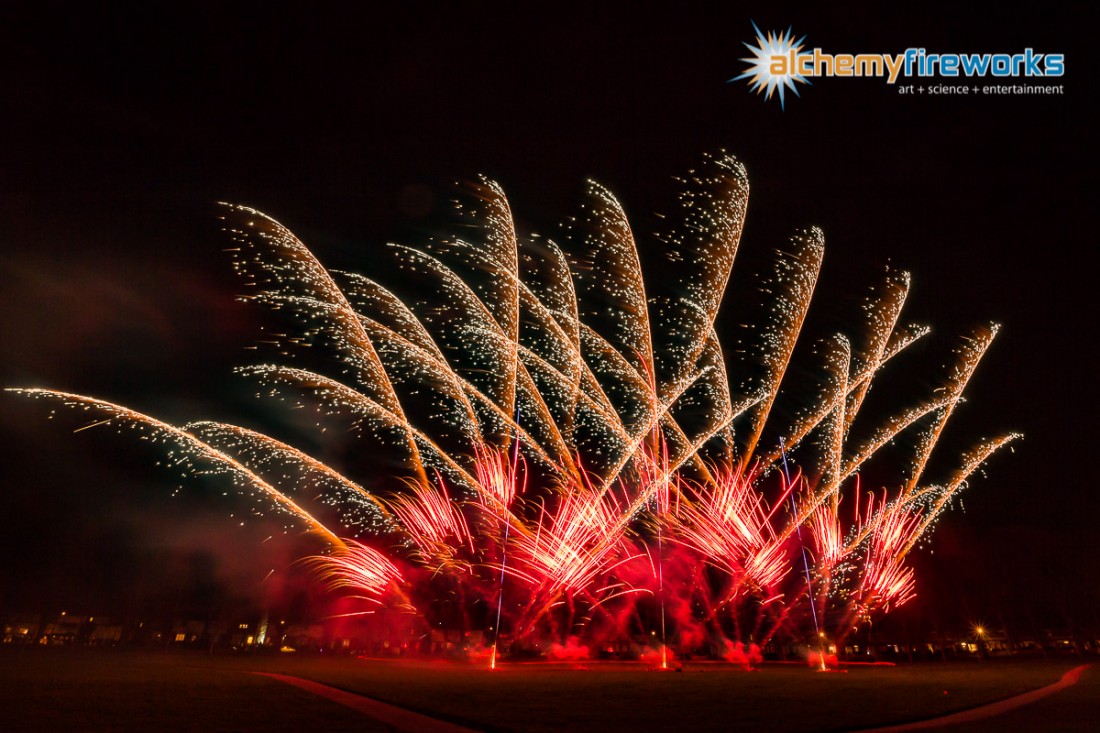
x=567 y=427
x=190 y=453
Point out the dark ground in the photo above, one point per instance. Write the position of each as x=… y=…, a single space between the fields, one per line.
x=123 y=691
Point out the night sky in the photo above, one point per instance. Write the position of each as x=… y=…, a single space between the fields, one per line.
x=121 y=128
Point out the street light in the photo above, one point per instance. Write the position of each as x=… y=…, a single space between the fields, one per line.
x=979 y=631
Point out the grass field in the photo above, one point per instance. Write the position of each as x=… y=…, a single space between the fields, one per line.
x=76 y=689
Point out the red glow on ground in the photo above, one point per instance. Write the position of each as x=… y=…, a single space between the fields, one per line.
x=571 y=651
x=829 y=662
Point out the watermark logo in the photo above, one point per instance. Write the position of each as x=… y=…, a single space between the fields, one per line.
x=779 y=63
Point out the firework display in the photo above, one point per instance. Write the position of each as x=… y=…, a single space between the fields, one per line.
x=581 y=464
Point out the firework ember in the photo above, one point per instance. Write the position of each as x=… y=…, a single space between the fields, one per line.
x=578 y=457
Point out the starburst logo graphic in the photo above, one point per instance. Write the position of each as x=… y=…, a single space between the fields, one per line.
x=765 y=75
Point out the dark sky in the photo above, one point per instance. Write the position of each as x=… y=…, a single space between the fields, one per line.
x=121 y=127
